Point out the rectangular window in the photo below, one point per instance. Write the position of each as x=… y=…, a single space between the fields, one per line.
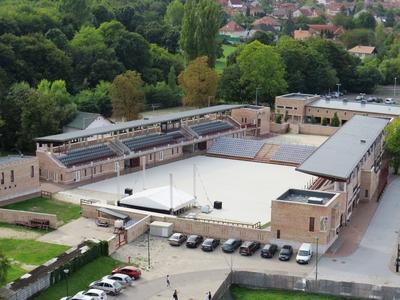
x=94 y=170
x=151 y=157
x=278 y=234
x=172 y=151
x=311 y=224
x=366 y=193
x=32 y=171
x=12 y=175
x=161 y=155
x=2 y=177
x=85 y=172
x=101 y=168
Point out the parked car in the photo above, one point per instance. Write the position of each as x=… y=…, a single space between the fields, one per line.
x=286 y=253
x=194 y=241
x=379 y=100
x=389 y=101
x=209 y=245
x=123 y=279
x=304 y=254
x=177 y=239
x=77 y=297
x=359 y=98
x=268 y=251
x=95 y=294
x=131 y=271
x=249 y=247
x=231 y=245
x=107 y=285
x=371 y=99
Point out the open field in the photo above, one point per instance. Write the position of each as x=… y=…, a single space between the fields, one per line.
x=65 y=212
x=250 y=294
x=80 y=280
x=221 y=62
x=236 y=183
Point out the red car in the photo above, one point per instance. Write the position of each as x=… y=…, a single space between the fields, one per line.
x=131 y=271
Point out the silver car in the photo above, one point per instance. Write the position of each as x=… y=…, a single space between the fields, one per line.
x=123 y=279
x=109 y=286
x=95 y=294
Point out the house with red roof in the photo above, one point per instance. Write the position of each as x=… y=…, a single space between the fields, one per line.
x=283 y=10
x=329 y=31
x=306 y=11
x=267 y=23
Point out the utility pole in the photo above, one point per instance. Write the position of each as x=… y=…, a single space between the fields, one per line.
x=316 y=262
x=148 y=248
x=338 y=89
x=394 y=88
x=257 y=94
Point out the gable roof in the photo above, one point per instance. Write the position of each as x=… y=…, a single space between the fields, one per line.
x=301 y=34
x=362 y=49
x=82 y=120
x=231 y=26
x=267 y=20
x=339 y=155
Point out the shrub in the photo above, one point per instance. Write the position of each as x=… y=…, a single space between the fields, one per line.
x=278 y=118
x=335 y=121
x=325 y=122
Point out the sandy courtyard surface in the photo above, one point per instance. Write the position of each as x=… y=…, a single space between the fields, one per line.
x=245 y=188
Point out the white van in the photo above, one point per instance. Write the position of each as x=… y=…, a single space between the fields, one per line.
x=304 y=254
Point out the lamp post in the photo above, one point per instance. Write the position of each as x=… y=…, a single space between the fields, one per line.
x=394 y=88
x=257 y=89
x=338 y=89
x=66 y=271
x=316 y=262
x=148 y=247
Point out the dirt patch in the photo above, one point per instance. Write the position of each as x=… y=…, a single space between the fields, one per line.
x=9 y=233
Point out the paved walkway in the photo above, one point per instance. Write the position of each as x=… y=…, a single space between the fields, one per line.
x=372 y=262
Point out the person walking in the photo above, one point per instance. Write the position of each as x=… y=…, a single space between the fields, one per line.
x=175 y=295
x=209 y=295
x=168 y=282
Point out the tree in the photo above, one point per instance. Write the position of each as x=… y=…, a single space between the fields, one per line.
x=200 y=26
x=359 y=36
x=172 y=79
x=4 y=267
x=392 y=143
x=390 y=69
x=261 y=67
x=199 y=83
x=58 y=38
x=365 y=20
x=102 y=14
x=325 y=121
x=335 y=122
x=267 y=38
x=367 y=77
x=174 y=13
x=229 y=88
x=127 y=95
x=163 y=60
x=343 y=20
x=162 y=94
x=78 y=10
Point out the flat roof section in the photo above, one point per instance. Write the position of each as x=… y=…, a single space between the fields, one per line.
x=63 y=137
x=306 y=196
x=340 y=154
x=384 y=109
x=298 y=96
x=13 y=158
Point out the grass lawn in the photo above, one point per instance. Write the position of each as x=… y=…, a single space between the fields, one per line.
x=23 y=228
x=250 y=294
x=221 y=62
x=15 y=272
x=65 y=211
x=30 y=251
x=80 y=279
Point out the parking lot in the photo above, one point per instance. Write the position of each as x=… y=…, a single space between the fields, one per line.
x=206 y=269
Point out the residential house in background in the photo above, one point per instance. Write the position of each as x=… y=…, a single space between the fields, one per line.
x=267 y=23
x=283 y=10
x=301 y=34
x=362 y=51
x=86 y=120
x=328 y=31
x=306 y=11
x=235 y=33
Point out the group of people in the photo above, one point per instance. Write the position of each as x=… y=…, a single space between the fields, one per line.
x=175 y=294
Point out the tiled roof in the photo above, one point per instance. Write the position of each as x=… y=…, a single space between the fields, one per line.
x=301 y=34
x=232 y=26
x=267 y=20
x=362 y=49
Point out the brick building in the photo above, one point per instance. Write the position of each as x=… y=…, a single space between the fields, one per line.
x=19 y=178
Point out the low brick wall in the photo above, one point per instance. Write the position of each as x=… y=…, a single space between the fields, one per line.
x=279 y=128
x=317 y=129
x=12 y=216
x=188 y=226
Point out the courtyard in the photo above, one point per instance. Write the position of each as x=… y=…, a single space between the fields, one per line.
x=245 y=188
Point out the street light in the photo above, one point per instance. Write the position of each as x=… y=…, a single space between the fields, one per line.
x=394 y=88
x=338 y=87
x=257 y=94
x=66 y=271
x=316 y=262
x=148 y=247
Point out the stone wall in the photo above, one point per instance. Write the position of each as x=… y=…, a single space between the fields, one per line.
x=317 y=129
x=279 y=128
x=12 y=216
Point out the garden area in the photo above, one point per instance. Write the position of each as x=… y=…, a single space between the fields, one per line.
x=66 y=212
x=25 y=255
x=256 y=294
x=80 y=279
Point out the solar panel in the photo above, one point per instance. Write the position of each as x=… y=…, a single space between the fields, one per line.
x=293 y=153
x=236 y=147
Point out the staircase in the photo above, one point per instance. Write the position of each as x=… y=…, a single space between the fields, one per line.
x=120 y=148
x=266 y=152
x=189 y=133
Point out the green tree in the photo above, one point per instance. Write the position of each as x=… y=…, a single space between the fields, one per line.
x=347 y=22
x=365 y=20
x=199 y=83
x=97 y=100
x=359 y=36
x=335 y=122
x=390 y=69
x=172 y=79
x=174 y=13
x=77 y=10
x=229 y=88
x=392 y=143
x=267 y=38
x=200 y=26
x=127 y=95
x=4 y=267
x=261 y=67
x=162 y=94
x=367 y=76
x=325 y=121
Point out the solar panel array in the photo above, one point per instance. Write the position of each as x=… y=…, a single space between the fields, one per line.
x=293 y=153
x=211 y=127
x=79 y=156
x=152 y=140
x=236 y=147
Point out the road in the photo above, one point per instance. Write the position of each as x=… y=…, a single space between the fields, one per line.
x=372 y=261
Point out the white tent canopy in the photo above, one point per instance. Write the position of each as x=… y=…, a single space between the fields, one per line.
x=160 y=199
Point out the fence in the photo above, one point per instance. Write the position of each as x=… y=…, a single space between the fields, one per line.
x=287 y=282
x=19 y=216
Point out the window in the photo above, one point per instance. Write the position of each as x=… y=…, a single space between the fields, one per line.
x=12 y=175
x=366 y=193
x=32 y=171
x=85 y=172
x=2 y=177
x=311 y=224
x=94 y=170
x=151 y=157
x=61 y=177
x=101 y=168
x=278 y=234
x=172 y=151
x=161 y=155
